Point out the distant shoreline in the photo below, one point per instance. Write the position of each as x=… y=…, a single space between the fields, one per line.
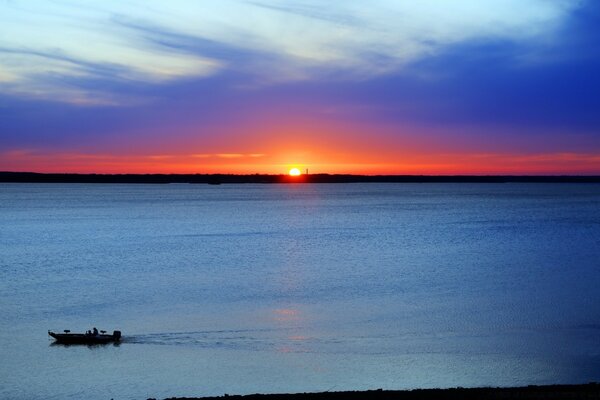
x=216 y=179
x=574 y=392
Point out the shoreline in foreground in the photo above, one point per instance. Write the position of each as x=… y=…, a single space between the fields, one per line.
x=216 y=179
x=581 y=391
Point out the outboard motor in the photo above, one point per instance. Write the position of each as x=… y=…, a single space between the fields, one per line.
x=117 y=335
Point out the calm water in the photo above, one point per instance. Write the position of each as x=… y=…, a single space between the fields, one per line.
x=275 y=288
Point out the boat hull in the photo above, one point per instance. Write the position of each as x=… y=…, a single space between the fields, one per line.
x=82 y=338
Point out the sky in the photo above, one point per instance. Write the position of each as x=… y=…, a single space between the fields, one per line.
x=338 y=86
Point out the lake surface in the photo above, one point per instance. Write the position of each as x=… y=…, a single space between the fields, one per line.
x=289 y=288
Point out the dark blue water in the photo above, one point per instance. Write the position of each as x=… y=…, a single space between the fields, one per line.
x=287 y=288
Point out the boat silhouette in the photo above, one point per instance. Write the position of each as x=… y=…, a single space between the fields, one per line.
x=86 y=338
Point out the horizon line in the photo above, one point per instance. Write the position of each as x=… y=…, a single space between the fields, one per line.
x=217 y=179
x=591 y=175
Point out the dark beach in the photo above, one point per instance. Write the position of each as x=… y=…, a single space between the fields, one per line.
x=584 y=391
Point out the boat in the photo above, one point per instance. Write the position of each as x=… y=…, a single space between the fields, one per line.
x=86 y=338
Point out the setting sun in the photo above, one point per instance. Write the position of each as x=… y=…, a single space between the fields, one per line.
x=294 y=172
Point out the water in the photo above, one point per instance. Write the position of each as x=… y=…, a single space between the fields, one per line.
x=290 y=288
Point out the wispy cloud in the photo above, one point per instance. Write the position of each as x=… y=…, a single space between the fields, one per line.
x=154 y=42
x=78 y=161
x=329 y=12
x=238 y=155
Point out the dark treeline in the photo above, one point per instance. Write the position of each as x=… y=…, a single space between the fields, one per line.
x=33 y=177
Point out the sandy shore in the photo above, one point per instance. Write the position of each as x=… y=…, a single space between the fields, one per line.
x=567 y=392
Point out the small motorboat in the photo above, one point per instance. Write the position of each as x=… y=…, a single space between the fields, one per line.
x=86 y=338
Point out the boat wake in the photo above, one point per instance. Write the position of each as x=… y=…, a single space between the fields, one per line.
x=225 y=339
x=283 y=340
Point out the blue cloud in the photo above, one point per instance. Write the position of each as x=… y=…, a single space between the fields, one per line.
x=271 y=41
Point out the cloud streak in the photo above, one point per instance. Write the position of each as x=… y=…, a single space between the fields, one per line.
x=443 y=163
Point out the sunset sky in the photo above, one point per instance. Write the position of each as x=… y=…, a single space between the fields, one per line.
x=339 y=86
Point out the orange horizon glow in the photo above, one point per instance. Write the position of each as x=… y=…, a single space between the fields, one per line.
x=332 y=148
x=255 y=163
